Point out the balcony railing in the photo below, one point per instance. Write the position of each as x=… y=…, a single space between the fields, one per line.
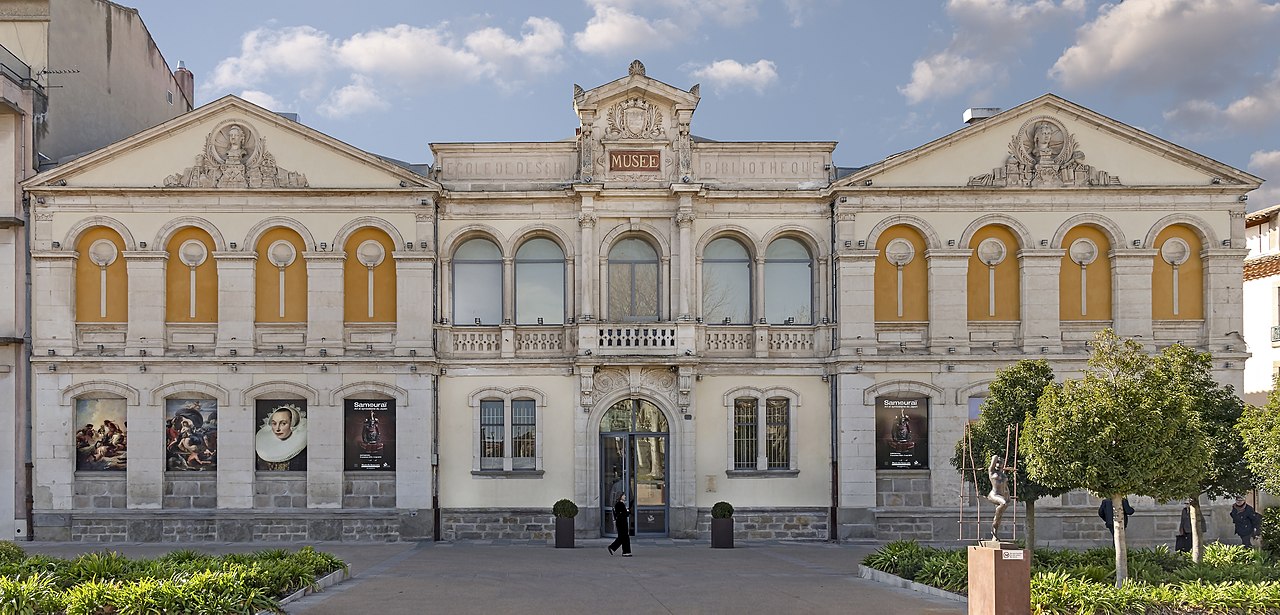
x=652 y=339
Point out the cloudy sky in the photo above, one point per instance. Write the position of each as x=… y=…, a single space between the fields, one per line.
x=392 y=76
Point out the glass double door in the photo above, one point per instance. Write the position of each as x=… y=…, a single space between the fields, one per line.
x=633 y=460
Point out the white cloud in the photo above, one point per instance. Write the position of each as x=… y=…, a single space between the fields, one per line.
x=537 y=50
x=1265 y=164
x=614 y=30
x=986 y=35
x=408 y=51
x=1201 y=118
x=264 y=54
x=262 y=99
x=730 y=74
x=730 y=13
x=1195 y=46
x=358 y=97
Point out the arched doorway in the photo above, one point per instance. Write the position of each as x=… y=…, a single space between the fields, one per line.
x=633 y=457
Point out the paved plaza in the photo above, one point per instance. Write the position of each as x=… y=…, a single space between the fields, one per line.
x=665 y=576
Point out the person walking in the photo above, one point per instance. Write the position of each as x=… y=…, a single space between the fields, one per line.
x=1108 y=515
x=622 y=525
x=1182 y=541
x=1247 y=521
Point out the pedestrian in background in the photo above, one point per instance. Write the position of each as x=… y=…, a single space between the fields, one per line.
x=1247 y=521
x=622 y=525
x=1182 y=542
x=1104 y=511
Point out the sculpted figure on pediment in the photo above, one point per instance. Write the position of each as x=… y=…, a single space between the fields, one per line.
x=1044 y=154
x=235 y=156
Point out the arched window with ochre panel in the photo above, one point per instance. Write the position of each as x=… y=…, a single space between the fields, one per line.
x=477 y=283
x=102 y=279
x=634 y=285
x=726 y=282
x=1177 y=283
x=788 y=283
x=539 y=283
x=281 y=275
x=994 y=275
x=901 y=276
x=1084 y=282
x=191 y=278
x=369 y=277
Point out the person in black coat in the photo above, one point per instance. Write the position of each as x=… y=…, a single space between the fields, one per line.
x=1182 y=541
x=1247 y=521
x=1107 y=515
x=621 y=524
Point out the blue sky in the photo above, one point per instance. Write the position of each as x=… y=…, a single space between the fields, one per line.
x=392 y=76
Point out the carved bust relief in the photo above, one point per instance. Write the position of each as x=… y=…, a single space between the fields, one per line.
x=1044 y=154
x=235 y=156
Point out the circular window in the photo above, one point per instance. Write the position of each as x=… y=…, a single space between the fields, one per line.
x=370 y=253
x=1083 y=252
x=102 y=252
x=899 y=252
x=1175 y=251
x=192 y=253
x=281 y=253
x=991 y=251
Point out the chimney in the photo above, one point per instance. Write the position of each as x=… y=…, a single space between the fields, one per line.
x=186 y=83
x=974 y=115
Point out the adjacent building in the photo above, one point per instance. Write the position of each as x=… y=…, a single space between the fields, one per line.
x=247 y=330
x=1262 y=303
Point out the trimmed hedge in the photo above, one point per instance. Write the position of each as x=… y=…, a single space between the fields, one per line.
x=1230 y=579
x=184 y=581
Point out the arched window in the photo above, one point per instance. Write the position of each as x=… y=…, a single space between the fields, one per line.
x=633 y=281
x=726 y=283
x=539 y=283
x=477 y=283
x=788 y=283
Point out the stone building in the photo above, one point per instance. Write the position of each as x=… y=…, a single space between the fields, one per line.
x=1261 y=303
x=246 y=329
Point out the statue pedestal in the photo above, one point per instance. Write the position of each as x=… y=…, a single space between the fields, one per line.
x=999 y=579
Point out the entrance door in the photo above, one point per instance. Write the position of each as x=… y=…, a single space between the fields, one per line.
x=633 y=460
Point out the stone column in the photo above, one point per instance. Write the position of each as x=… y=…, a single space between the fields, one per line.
x=236 y=290
x=1039 y=297
x=324 y=300
x=145 y=478
x=949 y=299
x=1131 y=292
x=508 y=289
x=1224 y=311
x=757 y=290
x=586 y=270
x=147 y=286
x=325 y=454
x=855 y=307
x=415 y=284
x=236 y=433
x=684 y=220
x=52 y=302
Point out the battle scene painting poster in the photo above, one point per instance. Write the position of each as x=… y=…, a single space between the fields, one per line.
x=191 y=434
x=101 y=438
x=281 y=439
x=370 y=434
x=902 y=433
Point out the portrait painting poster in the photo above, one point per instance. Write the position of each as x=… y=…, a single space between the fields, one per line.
x=902 y=433
x=101 y=435
x=370 y=434
x=191 y=434
x=280 y=438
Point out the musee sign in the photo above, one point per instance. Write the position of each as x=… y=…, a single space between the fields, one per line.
x=635 y=160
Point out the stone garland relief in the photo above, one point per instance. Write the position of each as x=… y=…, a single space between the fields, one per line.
x=1044 y=154
x=235 y=156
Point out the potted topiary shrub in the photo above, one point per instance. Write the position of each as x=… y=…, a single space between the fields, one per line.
x=565 y=511
x=722 y=526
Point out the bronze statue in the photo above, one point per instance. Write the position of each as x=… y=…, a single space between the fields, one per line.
x=999 y=492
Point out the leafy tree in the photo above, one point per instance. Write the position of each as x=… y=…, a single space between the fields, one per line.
x=1260 y=428
x=1219 y=410
x=1121 y=429
x=1013 y=397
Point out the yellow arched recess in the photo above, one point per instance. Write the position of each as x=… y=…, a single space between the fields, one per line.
x=91 y=284
x=178 y=280
x=268 y=279
x=1007 y=303
x=1097 y=278
x=915 y=279
x=1190 y=278
x=356 y=280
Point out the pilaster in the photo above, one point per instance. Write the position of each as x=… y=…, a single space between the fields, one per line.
x=855 y=307
x=949 y=299
x=1039 y=297
x=324 y=299
x=415 y=280
x=236 y=441
x=1131 y=292
x=235 y=307
x=53 y=297
x=146 y=300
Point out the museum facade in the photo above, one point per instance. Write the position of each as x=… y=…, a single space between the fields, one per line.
x=247 y=330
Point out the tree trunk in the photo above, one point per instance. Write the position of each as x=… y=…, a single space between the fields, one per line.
x=1031 y=529
x=1197 y=534
x=1122 y=551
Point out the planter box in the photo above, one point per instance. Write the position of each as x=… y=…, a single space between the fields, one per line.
x=722 y=533
x=564 y=532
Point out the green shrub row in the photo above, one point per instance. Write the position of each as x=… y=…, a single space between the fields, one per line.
x=185 y=582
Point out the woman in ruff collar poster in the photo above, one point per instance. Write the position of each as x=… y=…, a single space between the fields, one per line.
x=281 y=441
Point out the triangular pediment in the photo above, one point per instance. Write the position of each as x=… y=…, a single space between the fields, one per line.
x=636 y=83
x=231 y=144
x=1048 y=143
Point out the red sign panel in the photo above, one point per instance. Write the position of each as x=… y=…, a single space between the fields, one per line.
x=635 y=160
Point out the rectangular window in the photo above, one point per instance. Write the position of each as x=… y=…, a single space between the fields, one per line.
x=745 y=435
x=778 y=433
x=523 y=430
x=491 y=436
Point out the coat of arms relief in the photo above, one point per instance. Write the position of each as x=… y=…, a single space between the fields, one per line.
x=235 y=156
x=1044 y=154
